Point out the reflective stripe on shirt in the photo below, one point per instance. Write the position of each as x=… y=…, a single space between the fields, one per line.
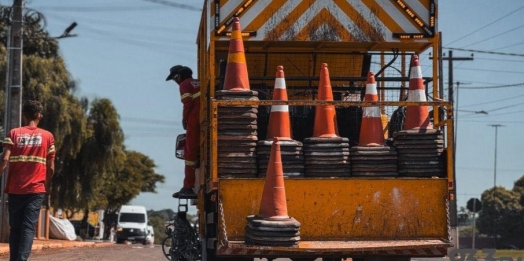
x=192 y=96
x=23 y=158
x=8 y=140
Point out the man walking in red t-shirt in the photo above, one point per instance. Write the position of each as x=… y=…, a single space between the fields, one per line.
x=30 y=152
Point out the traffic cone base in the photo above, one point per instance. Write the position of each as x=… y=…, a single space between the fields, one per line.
x=325 y=124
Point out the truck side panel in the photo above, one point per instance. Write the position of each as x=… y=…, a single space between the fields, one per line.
x=346 y=209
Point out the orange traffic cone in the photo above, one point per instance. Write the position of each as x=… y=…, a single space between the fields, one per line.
x=371 y=128
x=325 y=116
x=279 y=122
x=236 y=78
x=417 y=117
x=273 y=203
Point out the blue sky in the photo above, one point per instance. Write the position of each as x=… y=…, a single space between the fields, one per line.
x=124 y=50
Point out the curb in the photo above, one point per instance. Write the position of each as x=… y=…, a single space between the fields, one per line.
x=55 y=244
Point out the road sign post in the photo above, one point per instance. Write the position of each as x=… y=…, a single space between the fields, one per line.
x=474 y=205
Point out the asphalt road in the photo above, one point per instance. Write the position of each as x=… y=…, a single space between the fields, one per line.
x=121 y=252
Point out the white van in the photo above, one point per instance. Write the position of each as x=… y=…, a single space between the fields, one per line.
x=132 y=224
x=150 y=238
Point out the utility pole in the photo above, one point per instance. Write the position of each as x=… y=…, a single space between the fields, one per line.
x=495 y=164
x=13 y=93
x=453 y=222
x=496 y=126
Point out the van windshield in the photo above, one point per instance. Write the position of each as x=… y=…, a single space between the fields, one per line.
x=132 y=217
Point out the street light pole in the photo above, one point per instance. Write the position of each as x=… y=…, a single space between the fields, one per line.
x=495 y=181
x=495 y=164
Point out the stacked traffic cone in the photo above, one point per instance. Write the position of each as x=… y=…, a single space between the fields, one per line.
x=371 y=127
x=325 y=119
x=417 y=117
x=273 y=226
x=237 y=125
x=372 y=157
x=326 y=154
x=279 y=126
x=420 y=153
x=419 y=146
x=236 y=78
x=279 y=122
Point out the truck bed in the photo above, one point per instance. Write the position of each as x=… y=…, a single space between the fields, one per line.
x=411 y=248
x=343 y=216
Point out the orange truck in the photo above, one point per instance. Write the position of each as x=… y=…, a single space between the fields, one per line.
x=344 y=212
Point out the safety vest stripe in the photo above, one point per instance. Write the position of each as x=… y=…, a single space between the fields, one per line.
x=23 y=158
x=52 y=149
x=8 y=140
x=190 y=163
x=192 y=96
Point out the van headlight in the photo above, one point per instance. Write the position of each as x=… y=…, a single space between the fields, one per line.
x=119 y=229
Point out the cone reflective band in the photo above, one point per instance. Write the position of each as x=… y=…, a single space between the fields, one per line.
x=279 y=122
x=325 y=120
x=416 y=116
x=273 y=203
x=371 y=129
x=236 y=78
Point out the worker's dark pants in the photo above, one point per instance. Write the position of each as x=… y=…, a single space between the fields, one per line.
x=191 y=151
x=23 y=210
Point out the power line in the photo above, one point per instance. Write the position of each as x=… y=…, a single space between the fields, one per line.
x=488 y=121
x=500 y=60
x=181 y=6
x=505 y=107
x=85 y=9
x=483 y=103
x=151 y=121
x=507 y=46
x=495 y=36
x=481 y=51
x=504 y=16
x=495 y=86
x=485 y=70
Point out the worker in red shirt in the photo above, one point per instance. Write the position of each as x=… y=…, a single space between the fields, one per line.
x=190 y=97
x=30 y=152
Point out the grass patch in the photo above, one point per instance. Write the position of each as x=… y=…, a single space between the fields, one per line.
x=514 y=254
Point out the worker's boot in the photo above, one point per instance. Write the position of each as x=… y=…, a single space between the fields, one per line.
x=185 y=193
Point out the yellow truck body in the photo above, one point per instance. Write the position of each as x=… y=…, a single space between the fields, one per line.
x=341 y=217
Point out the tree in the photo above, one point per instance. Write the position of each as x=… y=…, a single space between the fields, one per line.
x=159 y=226
x=93 y=168
x=519 y=188
x=136 y=176
x=501 y=213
